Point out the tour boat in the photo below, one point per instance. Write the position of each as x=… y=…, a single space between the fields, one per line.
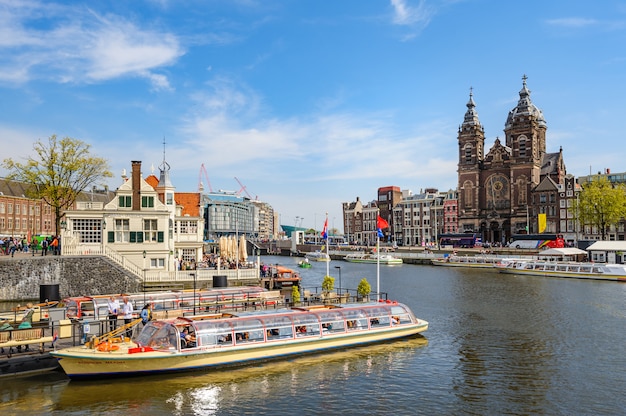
x=222 y=340
x=480 y=262
x=579 y=270
x=373 y=258
x=318 y=256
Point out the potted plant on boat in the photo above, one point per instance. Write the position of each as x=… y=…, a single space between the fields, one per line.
x=328 y=285
x=363 y=290
x=295 y=295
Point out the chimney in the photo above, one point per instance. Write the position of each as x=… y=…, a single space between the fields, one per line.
x=136 y=178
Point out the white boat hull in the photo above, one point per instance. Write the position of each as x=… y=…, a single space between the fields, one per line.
x=83 y=362
x=594 y=271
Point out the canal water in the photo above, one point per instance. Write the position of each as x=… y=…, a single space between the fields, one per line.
x=497 y=344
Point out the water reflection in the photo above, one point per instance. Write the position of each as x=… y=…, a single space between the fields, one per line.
x=242 y=388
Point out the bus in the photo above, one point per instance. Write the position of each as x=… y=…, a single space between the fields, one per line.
x=465 y=240
x=537 y=241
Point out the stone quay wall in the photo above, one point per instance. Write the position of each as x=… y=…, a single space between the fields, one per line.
x=22 y=276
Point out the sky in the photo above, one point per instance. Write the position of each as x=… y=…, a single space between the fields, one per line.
x=308 y=104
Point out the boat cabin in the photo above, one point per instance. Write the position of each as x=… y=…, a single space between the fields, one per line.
x=222 y=330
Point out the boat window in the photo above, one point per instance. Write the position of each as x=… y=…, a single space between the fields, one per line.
x=402 y=313
x=87 y=308
x=278 y=327
x=585 y=269
x=332 y=322
x=306 y=324
x=355 y=319
x=248 y=330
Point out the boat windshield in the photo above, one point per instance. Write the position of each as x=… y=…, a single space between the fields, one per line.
x=159 y=335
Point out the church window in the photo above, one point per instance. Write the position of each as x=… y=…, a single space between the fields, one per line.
x=522 y=146
x=468 y=153
x=542 y=199
x=468 y=194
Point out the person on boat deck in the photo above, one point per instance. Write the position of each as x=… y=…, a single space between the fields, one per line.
x=27 y=319
x=146 y=313
x=127 y=311
x=189 y=339
x=395 y=320
x=113 y=309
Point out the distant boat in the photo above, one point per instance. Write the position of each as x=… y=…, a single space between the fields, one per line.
x=318 y=256
x=480 y=262
x=577 y=270
x=304 y=264
x=372 y=258
x=232 y=339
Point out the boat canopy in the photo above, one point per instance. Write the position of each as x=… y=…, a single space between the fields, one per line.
x=263 y=326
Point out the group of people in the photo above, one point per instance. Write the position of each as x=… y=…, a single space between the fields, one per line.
x=12 y=245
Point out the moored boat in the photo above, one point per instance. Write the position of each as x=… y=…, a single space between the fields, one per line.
x=480 y=262
x=220 y=340
x=318 y=256
x=373 y=258
x=578 y=270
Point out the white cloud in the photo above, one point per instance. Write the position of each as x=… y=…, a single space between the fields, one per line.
x=71 y=44
x=407 y=15
x=572 y=22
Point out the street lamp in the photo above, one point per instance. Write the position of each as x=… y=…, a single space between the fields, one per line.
x=144 y=277
x=339 y=268
x=194 y=292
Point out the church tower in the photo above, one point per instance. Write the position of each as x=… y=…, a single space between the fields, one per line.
x=471 y=139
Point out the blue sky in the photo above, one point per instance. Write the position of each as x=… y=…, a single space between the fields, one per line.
x=308 y=103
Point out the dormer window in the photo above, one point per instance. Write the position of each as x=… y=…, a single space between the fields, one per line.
x=125 y=201
x=169 y=198
x=147 y=202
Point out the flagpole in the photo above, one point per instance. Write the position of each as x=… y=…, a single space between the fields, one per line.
x=377 y=267
x=327 y=244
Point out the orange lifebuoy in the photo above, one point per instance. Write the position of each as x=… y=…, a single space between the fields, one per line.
x=107 y=347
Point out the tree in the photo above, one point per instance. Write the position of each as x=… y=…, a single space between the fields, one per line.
x=601 y=204
x=364 y=288
x=328 y=284
x=295 y=295
x=60 y=171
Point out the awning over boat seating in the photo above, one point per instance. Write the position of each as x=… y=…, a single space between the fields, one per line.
x=567 y=251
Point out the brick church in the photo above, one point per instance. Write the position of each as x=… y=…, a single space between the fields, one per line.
x=496 y=189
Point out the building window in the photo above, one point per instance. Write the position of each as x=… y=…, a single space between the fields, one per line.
x=169 y=198
x=157 y=263
x=10 y=208
x=189 y=254
x=147 y=202
x=542 y=199
x=88 y=230
x=125 y=201
x=122 y=230
x=150 y=230
x=17 y=221
x=17 y=208
x=522 y=146
x=1 y=207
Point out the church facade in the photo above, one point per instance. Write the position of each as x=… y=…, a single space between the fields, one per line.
x=496 y=187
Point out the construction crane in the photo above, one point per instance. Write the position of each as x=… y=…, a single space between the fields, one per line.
x=243 y=188
x=206 y=176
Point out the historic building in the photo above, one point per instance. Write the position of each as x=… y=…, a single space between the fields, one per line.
x=496 y=188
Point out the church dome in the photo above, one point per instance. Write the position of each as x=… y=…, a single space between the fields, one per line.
x=525 y=107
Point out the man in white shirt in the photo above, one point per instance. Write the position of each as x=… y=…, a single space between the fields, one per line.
x=114 y=309
x=127 y=311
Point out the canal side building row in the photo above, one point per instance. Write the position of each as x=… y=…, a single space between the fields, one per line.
x=501 y=190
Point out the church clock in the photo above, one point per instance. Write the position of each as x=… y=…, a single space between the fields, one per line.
x=497 y=186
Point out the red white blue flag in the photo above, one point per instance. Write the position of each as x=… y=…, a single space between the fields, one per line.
x=381 y=224
x=325 y=230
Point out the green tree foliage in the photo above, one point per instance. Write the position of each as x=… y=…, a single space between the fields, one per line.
x=328 y=284
x=59 y=172
x=600 y=204
x=364 y=288
x=295 y=294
